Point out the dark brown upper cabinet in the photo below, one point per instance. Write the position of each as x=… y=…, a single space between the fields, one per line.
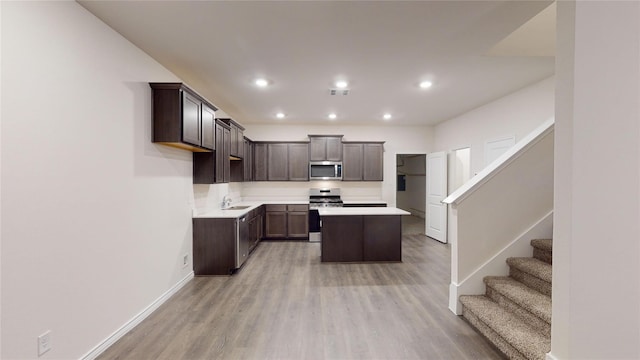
x=214 y=167
x=298 y=161
x=362 y=161
x=373 y=166
x=286 y=161
x=237 y=138
x=247 y=161
x=278 y=162
x=260 y=157
x=325 y=147
x=223 y=148
x=182 y=118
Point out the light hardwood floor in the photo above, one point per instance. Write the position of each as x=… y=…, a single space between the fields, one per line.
x=285 y=304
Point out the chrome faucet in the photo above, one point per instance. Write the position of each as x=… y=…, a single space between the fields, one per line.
x=226 y=201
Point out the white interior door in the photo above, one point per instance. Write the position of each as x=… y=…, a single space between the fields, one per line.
x=436 y=214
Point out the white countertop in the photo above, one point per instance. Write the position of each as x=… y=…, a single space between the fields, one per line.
x=222 y=213
x=336 y=211
x=364 y=201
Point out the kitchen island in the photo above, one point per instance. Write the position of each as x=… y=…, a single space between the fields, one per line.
x=361 y=234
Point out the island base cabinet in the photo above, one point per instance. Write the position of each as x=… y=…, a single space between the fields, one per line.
x=361 y=238
x=342 y=238
x=213 y=246
x=380 y=238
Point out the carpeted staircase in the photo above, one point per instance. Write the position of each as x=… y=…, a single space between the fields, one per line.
x=515 y=312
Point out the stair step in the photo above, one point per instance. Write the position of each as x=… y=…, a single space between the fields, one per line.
x=531 y=305
x=543 y=249
x=532 y=272
x=542 y=244
x=508 y=332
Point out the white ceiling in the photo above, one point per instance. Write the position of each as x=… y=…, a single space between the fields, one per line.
x=383 y=48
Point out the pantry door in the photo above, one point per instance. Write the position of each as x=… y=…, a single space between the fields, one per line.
x=436 y=214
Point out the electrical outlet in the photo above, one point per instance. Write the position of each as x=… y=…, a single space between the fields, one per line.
x=185 y=260
x=44 y=343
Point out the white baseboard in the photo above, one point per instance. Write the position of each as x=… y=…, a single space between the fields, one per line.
x=551 y=357
x=497 y=266
x=417 y=212
x=111 y=339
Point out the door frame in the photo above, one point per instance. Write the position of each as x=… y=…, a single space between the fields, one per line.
x=395 y=175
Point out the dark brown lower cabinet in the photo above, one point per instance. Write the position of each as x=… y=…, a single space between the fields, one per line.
x=382 y=240
x=275 y=222
x=214 y=246
x=221 y=245
x=357 y=238
x=286 y=221
x=342 y=238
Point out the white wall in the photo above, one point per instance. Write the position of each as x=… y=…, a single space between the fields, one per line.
x=0 y=181
x=95 y=218
x=398 y=140
x=459 y=168
x=516 y=114
x=596 y=266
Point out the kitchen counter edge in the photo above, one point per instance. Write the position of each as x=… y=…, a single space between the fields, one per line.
x=231 y=214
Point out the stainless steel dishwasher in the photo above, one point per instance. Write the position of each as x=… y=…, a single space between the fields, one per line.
x=242 y=240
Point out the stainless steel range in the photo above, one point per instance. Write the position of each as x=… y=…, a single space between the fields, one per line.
x=324 y=198
x=320 y=198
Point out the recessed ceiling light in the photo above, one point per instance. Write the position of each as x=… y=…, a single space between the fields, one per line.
x=426 y=84
x=387 y=116
x=280 y=115
x=341 y=84
x=333 y=116
x=262 y=82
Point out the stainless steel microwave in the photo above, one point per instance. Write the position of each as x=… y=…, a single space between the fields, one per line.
x=325 y=170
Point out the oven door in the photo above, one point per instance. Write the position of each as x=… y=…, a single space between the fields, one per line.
x=315 y=234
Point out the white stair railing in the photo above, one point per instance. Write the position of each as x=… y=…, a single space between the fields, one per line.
x=494 y=214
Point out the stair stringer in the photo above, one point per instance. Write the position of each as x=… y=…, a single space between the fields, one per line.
x=497 y=265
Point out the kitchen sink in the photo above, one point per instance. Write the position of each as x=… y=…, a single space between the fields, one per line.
x=241 y=207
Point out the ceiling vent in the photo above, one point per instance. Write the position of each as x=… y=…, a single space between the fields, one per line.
x=338 y=91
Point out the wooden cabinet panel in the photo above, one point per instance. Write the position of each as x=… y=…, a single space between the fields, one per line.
x=213 y=246
x=208 y=127
x=240 y=141
x=327 y=148
x=286 y=221
x=275 y=224
x=204 y=168
x=334 y=148
x=190 y=119
x=218 y=249
x=373 y=162
x=298 y=162
x=317 y=148
x=354 y=238
x=247 y=161
x=234 y=140
x=298 y=224
x=177 y=117
x=278 y=160
x=223 y=147
x=342 y=238
x=352 y=162
x=260 y=157
x=276 y=207
x=362 y=161
x=381 y=238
